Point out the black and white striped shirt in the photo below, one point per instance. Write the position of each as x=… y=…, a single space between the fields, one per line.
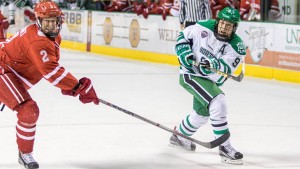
x=194 y=10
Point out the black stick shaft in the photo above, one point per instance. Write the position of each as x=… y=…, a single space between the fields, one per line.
x=2 y=107
x=212 y=144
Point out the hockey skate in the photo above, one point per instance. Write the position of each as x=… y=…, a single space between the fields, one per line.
x=27 y=161
x=183 y=143
x=230 y=156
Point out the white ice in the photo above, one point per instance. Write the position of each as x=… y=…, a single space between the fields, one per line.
x=263 y=119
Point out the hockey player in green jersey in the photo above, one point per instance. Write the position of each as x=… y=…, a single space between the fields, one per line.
x=210 y=43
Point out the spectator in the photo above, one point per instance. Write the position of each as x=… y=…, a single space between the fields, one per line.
x=118 y=5
x=3 y=27
x=87 y=4
x=175 y=8
x=217 y=5
x=250 y=10
x=101 y=4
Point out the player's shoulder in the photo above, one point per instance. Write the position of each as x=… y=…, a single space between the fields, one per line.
x=209 y=24
x=38 y=38
x=238 y=45
x=33 y=33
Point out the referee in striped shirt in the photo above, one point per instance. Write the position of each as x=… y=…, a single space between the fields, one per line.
x=191 y=11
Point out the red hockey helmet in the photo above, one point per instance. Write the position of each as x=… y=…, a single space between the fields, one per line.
x=46 y=14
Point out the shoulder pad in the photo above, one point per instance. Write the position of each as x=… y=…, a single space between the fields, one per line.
x=238 y=45
x=209 y=24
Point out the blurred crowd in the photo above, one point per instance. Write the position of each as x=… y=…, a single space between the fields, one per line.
x=249 y=9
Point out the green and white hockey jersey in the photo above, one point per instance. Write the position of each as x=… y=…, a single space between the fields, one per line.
x=199 y=43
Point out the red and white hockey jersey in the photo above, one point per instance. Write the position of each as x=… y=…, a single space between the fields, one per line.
x=31 y=56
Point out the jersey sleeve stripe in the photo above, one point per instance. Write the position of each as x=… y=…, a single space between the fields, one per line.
x=56 y=44
x=52 y=73
x=60 y=78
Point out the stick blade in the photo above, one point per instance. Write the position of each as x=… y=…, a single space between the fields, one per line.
x=219 y=140
x=238 y=78
x=241 y=76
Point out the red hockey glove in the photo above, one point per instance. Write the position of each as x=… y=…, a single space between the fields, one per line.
x=85 y=90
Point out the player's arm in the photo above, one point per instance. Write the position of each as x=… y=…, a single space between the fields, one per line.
x=183 y=47
x=244 y=9
x=44 y=58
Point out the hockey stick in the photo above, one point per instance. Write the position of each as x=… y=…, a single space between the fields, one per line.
x=238 y=78
x=209 y=145
x=2 y=106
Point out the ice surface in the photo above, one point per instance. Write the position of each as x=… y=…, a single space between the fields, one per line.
x=263 y=119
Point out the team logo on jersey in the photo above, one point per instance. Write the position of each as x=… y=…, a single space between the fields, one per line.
x=204 y=34
x=241 y=47
x=107 y=30
x=134 y=33
x=257 y=42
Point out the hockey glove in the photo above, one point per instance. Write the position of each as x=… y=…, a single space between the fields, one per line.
x=184 y=54
x=85 y=90
x=208 y=64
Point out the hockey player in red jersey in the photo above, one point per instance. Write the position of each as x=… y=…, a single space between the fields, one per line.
x=3 y=27
x=30 y=55
x=274 y=12
x=250 y=9
x=147 y=7
x=217 y=5
x=139 y=6
x=162 y=7
x=118 y=5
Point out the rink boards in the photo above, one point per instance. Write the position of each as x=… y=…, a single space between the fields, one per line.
x=272 y=47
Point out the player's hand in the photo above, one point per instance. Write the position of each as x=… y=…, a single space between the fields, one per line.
x=208 y=64
x=85 y=90
x=184 y=54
